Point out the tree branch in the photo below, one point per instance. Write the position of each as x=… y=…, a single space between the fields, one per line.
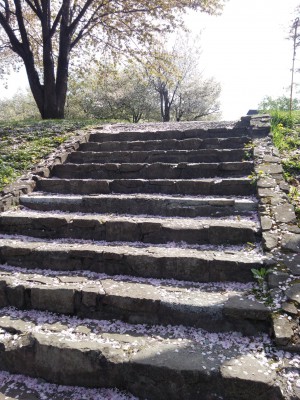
x=34 y=9
x=56 y=21
x=95 y=21
x=16 y=44
x=37 y=6
x=76 y=21
x=7 y=10
x=20 y=19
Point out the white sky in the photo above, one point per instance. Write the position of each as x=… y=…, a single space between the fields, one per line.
x=244 y=49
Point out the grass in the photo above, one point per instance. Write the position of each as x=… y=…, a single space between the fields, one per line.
x=286 y=137
x=23 y=144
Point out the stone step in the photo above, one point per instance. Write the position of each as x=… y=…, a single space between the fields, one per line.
x=22 y=387
x=163 y=156
x=109 y=228
x=217 y=307
x=152 y=171
x=203 y=264
x=169 y=206
x=163 y=134
x=168 y=144
x=195 y=364
x=204 y=187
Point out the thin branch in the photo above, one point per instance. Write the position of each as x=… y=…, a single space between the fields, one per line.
x=34 y=9
x=21 y=24
x=37 y=6
x=76 y=21
x=16 y=44
x=56 y=21
x=86 y=29
x=7 y=10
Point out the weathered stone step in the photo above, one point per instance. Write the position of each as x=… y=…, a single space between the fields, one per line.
x=182 y=263
x=196 y=365
x=130 y=229
x=206 y=187
x=22 y=387
x=152 y=171
x=142 y=204
x=164 y=134
x=213 y=306
x=168 y=144
x=155 y=156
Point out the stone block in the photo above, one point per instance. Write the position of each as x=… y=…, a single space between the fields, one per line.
x=15 y=296
x=89 y=297
x=284 y=186
x=269 y=240
x=248 y=369
x=53 y=299
x=290 y=308
x=266 y=223
x=284 y=213
x=242 y=307
x=271 y=168
x=293 y=293
x=3 y=299
x=291 y=242
x=124 y=231
x=266 y=183
x=276 y=278
x=292 y=262
x=283 y=330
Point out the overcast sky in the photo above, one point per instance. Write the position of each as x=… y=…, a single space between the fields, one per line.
x=244 y=49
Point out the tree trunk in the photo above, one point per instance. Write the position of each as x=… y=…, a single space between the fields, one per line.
x=52 y=102
x=166 y=116
x=49 y=100
x=165 y=105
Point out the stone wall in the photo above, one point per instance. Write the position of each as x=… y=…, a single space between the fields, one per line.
x=281 y=240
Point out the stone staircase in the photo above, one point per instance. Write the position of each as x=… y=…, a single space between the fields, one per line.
x=130 y=268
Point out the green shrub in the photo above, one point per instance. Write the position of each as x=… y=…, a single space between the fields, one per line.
x=281 y=117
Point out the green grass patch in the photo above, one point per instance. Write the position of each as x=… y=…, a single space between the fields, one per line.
x=23 y=144
x=286 y=137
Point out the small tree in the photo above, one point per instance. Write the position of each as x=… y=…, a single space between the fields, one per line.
x=281 y=103
x=113 y=93
x=175 y=75
x=138 y=99
x=197 y=99
x=20 y=106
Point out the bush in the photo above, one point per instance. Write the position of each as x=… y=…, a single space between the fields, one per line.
x=283 y=118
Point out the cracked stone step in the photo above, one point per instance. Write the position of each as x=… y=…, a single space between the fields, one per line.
x=154 y=156
x=217 y=307
x=197 y=365
x=204 y=187
x=152 y=171
x=170 y=206
x=161 y=262
x=168 y=144
x=130 y=228
x=97 y=136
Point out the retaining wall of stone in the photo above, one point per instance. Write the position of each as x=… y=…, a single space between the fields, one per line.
x=281 y=240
